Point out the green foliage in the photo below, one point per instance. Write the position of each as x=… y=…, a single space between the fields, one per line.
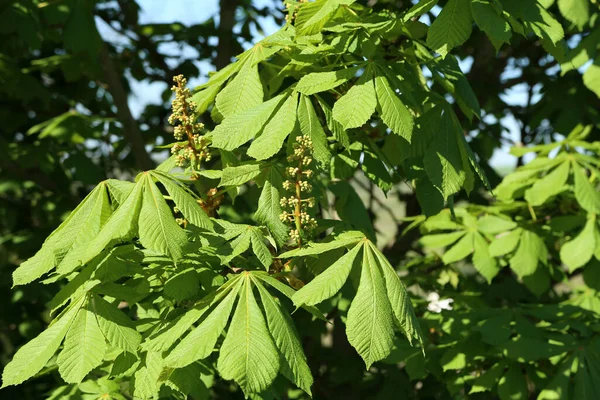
x=253 y=245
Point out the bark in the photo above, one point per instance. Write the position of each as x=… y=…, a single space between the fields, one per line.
x=227 y=43
x=131 y=130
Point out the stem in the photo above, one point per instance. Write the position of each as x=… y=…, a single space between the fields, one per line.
x=298 y=206
x=190 y=133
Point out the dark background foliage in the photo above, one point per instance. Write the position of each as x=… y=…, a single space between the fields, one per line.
x=66 y=123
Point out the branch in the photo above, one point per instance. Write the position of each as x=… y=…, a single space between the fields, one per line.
x=131 y=130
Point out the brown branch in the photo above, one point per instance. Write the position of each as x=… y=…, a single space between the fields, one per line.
x=131 y=130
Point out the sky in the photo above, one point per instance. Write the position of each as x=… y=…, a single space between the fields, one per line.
x=189 y=12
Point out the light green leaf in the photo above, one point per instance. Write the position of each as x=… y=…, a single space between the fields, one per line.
x=116 y=326
x=451 y=28
x=419 y=9
x=585 y=193
x=393 y=112
x=493 y=224
x=146 y=382
x=370 y=327
x=531 y=249
x=261 y=251
x=311 y=127
x=34 y=355
x=248 y=354
x=64 y=246
x=491 y=22
x=158 y=230
x=482 y=260
x=460 y=250
x=237 y=129
x=201 y=341
x=277 y=129
x=576 y=11
x=345 y=239
x=204 y=98
x=313 y=16
x=269 y=207
x=243 y=93
x=404 y=314
x=591 y=77
x=579 y=251
x=122 y=224
x=355 y=107
x=238 y=175
x=183 y=285
x=282 y=329
x=329 y=282
x=184 y=200
x=435 y=241
x=317 y=82
x=84 y=347
x=548 y=186
x=506 y=243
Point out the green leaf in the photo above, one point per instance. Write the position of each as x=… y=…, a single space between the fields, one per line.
x=146 y=382
x=493 y=224
x=311 y=127
x=576 y=11
x=513 y=385
x=442 y=161
x=531 y=249
x=116 y=326
x=269 y=207
x=277 y=129
x=402 y=308
x=579 y=251
x=393 y=112
x=419 y=9
x=591 y=77
x=585 y=193
x=184 y=200
x=157 y=227
x=548 y=186
x=355 y=107
x=243 y=93
x=491 y=22
x=451 y=28
x=313 y=16
x=183 y=285
x=237 y=129
x=460 y=250
x=238 y=175
x=248 y=354
x=317 y=82
x=84 y=347
x=345 y=239
x=329 y=282
x=488 y=380
x=282 y=329
x=505 y=244
x=33 y=356
x=122 y=224
x=261 y=251
x=370 y=327
x=482 y=260
x=436 y=241
x=204 y=98
x=201 y=341
x=65 y=246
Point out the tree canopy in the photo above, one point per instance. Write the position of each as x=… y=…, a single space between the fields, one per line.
x=328 y=223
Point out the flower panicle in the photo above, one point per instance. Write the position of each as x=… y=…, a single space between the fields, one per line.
x=296 y=206
x=194 y=148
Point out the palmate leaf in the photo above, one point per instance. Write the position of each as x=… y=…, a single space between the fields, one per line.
x=240 y=174
x=84 y=347
x=269 y=206
x=248 y=354
x=355 y=107
x=585 y=193
x=118 y=329
x=370 y=330
x=34 y=355
x=491 y=22
x=281 y=326
x=244 y=92
x=532 y=249
x=548 y=186
x=65 y=245
x=237 y=129
x=146 y=380
x=391 y=109
x=277 y=129
x=317 y=82
x=451 y=28
x=311 y=127
x=580 y=250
